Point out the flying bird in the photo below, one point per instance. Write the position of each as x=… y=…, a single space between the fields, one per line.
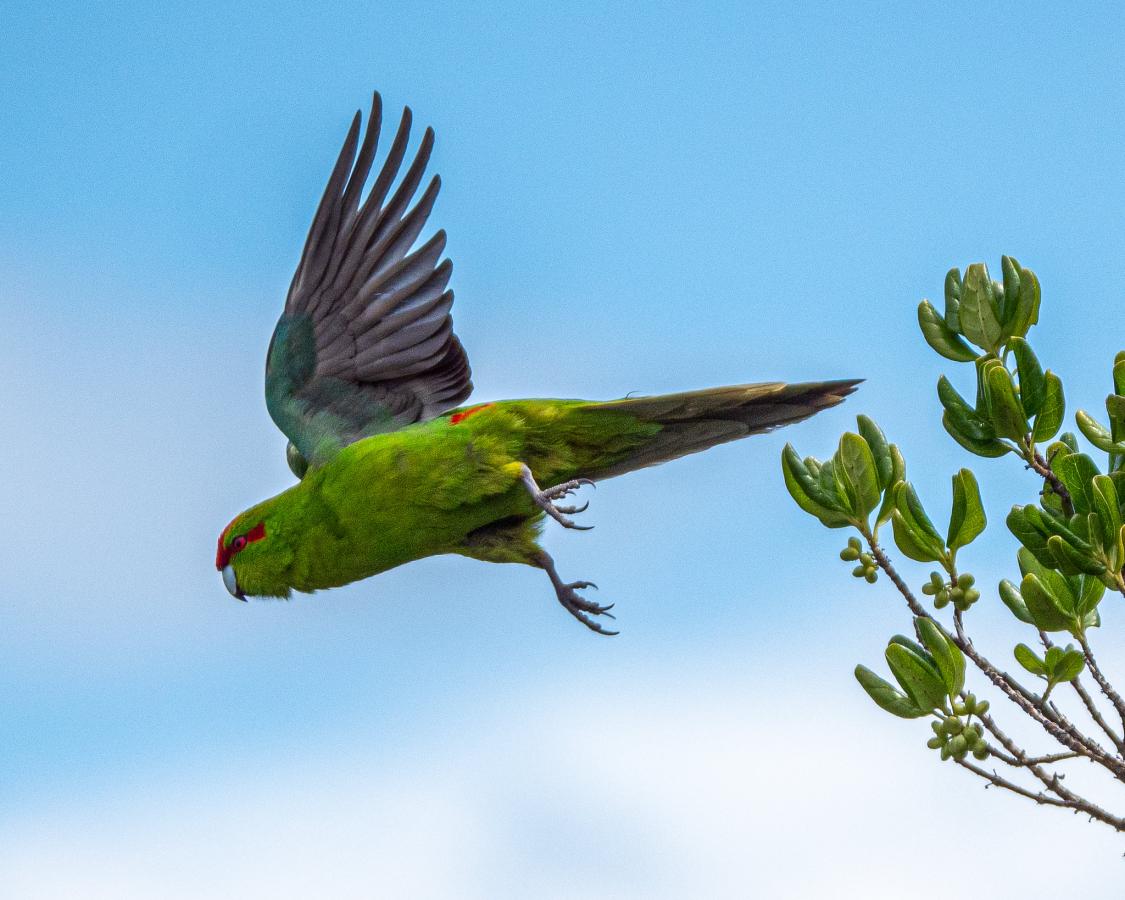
x=364 y=374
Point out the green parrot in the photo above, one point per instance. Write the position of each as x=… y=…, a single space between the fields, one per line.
x=362 y=375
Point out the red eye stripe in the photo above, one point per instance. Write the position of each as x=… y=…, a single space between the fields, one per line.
x=224 y=553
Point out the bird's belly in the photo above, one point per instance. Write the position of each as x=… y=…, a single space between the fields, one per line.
x=401 y=507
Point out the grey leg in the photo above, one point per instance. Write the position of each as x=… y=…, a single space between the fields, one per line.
x=572 y=602
x=544 y=497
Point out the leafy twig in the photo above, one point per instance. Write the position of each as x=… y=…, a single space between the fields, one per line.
x=1036 y=461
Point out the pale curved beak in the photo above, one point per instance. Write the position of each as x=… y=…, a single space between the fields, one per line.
x=231 y=581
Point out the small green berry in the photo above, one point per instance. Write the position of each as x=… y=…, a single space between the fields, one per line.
x=981 y=708
x=965 y=580
x=859 y=571
x=849 y=555
x=980 y=752
x=935 y=743
x=871 y=576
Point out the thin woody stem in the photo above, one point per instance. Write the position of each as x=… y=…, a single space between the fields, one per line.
x=1036 y=461
x=1067 y=800
x=1051 y=780
x=1102 y=681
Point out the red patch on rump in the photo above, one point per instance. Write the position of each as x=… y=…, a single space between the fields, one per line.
x=457 y=418
x=224 y=553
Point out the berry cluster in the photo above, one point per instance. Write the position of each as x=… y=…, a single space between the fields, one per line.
x=866 y=569
x=955 y=737
x=961 y=592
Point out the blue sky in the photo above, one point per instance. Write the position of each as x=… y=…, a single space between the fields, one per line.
x=666 y=197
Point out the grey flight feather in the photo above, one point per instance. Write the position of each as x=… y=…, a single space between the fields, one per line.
x=695 y=420
x=366 y=342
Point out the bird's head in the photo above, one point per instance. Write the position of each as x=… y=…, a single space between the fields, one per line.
x=254 y=555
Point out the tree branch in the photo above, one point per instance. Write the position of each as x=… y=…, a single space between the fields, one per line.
x=1067 y=800
x=1056 y=725
x=1088 y=702
x=1102 y=681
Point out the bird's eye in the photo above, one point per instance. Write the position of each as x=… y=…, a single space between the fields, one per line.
x=238 y=543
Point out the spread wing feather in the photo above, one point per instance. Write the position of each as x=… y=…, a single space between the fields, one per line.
x=366 y=342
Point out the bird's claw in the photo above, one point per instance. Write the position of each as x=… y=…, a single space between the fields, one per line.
x=544 y=498
x=582 y=608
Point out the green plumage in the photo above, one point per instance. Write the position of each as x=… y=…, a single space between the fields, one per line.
x=451 y=484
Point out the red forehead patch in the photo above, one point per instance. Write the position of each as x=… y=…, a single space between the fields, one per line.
x=457 y=418
x=224 y=553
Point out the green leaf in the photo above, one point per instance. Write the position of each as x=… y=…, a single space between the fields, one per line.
x=907 y=541
x=807 y=492
x=914 y=533
x=918 y=677
x=1011 y=291
x=1108 y=510
x=990 y=448
x=880 y=450
x=1044 y=608
x=1069 y=666
x=940 y=337
x=1115 y=406
x=856 y=475
x=1026 y=523
x=978 y=310
x=1057 y=524
x=1096 y=433
x=1077 y=472
x=1026 y=657
x=1005 y=412
x=953 y=299
x=964 y=416
x=967 y=520
x=1119 y=373
x=1088 y=595
x=1012 y=598
x=898 y=473
x=1071 y=560
x=947 y=656
x=1050 y=417
x=886 y=695
x=913 y=646
x=1027 y=310
x=1031 y=375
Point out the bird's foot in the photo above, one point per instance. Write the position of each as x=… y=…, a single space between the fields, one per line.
x=544 y=498
x=574 y=603
x=581 y=608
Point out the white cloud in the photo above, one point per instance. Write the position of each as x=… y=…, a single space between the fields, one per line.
x=680 y=791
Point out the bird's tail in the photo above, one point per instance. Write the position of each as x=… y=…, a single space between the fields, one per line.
x=695 y=420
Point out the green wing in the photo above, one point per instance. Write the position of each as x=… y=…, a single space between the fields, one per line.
x=366 y=342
